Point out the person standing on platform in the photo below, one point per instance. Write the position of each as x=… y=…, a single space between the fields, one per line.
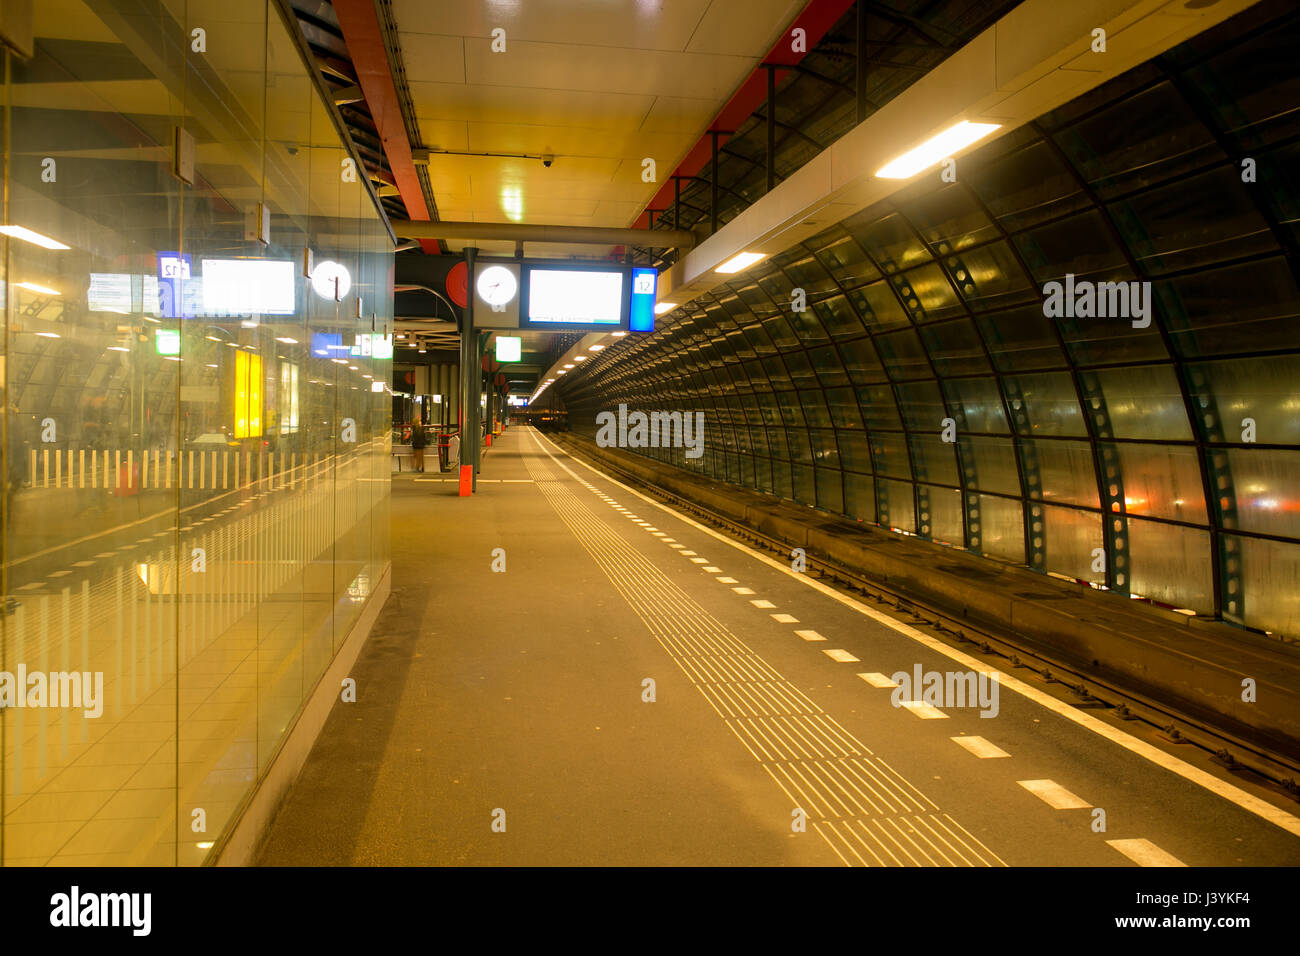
x=418 y=442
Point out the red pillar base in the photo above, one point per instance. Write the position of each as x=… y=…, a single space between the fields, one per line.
x=489 y=440
x=466 y=480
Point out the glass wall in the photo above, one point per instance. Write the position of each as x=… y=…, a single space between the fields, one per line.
x=196 y=426
x=925 y=388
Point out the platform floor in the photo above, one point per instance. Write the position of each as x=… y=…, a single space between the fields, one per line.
x=518 y=697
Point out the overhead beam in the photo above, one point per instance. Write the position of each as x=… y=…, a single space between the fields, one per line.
x=522 y=232
x=360 y=26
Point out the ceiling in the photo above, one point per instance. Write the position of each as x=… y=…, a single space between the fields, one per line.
x=599 y=84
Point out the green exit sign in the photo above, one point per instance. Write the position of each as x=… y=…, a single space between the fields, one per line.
x=167 y=341
x=509 y=348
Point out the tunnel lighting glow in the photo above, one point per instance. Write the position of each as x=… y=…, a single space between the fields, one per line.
x=663 y=307
x=27 y=235
x=562 y=372
x=935 y=150
x=570 y=365
x=580 y=358
x=118 y=348
x=353 y=367
x=33 y=287
x=339 y=361
x=286 y=340
x=595 y=348
x=49 y=335
x=742 y=260
x=212 y=338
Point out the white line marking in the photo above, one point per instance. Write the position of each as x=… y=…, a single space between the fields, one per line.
x=712 y=570
x=59 y=574
x=689 y=553
x=878 y=680
x=1221 y=788
x=1053 y=794
x=698 y=560
x=785 y=619
x=923 y=710
x=762 y=604
x=82 y=564
x=844 y=657
x=727 y=580
x=1145 y=853
x=812 y=636
x=671 y=541
x=980 y=747
x=743 y=590
x=677 y=546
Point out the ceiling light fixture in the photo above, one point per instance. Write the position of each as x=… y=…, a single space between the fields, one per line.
x=27 y=235
x=662 y=307
x=33 y=287
x=741 y=260
x=935 y=149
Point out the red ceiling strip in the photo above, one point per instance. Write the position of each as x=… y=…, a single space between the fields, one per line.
x=360 y=26
x=816 y=19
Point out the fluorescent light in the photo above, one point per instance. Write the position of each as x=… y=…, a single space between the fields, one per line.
x=118 y=348
x=662 y=307
x=935 y=150
x=742 y=260
x=25 y=234
x=33 y=287
x=339 y=361
x=286 y=340
x=49 y=335
x=212 y=338
x=580 y=358
x=595 y=348
x=618 y=335
x=570 y=365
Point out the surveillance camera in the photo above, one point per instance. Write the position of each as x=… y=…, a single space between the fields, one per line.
x=547 y=159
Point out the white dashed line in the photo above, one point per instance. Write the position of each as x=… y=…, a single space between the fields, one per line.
x=712 y=570
x=762 y=604
x=812 y=636
x=698 y=560
x=785 y=619
x=1053 y=794
x=923 y=710
x=727 y=580
x=743 y=590
x=980 y=747
x=878 y=680
x=844 y=657
x=1145 y=853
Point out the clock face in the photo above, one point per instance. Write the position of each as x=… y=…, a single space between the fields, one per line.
x=497 y=285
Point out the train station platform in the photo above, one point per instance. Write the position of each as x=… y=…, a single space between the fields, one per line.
x=571 y=673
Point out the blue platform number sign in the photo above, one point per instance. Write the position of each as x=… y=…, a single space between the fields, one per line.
x=642 y=316
x=173 y=279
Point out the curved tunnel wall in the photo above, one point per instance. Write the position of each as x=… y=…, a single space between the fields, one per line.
x=1161 y=462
